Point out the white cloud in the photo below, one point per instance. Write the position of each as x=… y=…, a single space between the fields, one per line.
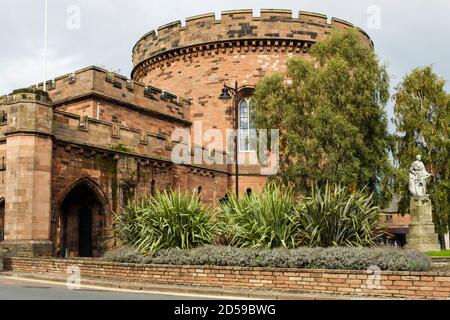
x=24 y=71
x=412 y=32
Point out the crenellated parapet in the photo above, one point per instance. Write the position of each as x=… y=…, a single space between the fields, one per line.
x=237 y=30
x=27 y=111
x=27 y=95
x=92 y=134
x=116 y=88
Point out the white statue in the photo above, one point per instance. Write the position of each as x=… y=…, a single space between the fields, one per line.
x=418 y=176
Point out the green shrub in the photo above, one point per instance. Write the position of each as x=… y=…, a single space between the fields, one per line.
x=334 y=217
x=167 y=220
x=269 y=219
x=341 y=258
x=124 y=255
x=125 y=227
x=262 y=220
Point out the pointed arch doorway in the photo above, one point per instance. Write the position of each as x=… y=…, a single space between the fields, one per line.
x=80 y=230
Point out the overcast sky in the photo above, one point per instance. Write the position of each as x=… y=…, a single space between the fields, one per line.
x=412 y=32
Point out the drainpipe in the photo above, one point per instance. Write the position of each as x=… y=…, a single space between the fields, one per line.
x=98 y=111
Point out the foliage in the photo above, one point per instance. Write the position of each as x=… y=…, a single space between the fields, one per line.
x=330 y=112
x=422 y=117
x=121 y=148
x=262 y=219
x=167 y=220
x=332 y=216
x=272 y=218
x=305 y=258
x=125 y=227
x=124 y=254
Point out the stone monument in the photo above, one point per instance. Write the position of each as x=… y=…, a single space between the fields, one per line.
x=422 y=235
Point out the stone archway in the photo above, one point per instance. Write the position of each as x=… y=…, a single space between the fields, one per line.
x=81 y=221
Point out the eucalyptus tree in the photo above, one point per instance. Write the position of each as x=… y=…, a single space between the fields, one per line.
x=422 y=118
x=330 y=110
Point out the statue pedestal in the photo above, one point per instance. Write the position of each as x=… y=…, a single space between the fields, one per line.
x=422 y=236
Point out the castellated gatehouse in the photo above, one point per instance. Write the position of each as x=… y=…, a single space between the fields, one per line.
x=72 y=155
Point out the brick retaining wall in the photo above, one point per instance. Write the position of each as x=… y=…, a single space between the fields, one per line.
x=441 y=263
x=414 y=285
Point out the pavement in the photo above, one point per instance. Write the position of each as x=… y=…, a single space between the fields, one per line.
x=25 y=286
x=13 y=288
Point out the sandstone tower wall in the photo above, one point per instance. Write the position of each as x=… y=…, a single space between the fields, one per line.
x=195 y=61
x=204 y=32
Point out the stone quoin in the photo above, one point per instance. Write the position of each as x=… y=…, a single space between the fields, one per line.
x=73 y=155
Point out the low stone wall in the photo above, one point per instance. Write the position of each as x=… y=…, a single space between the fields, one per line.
x=441 y=264
x=412 y=285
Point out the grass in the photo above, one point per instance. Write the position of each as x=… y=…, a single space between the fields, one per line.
x=443 y=253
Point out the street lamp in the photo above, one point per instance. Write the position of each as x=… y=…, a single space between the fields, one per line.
x=225 y=96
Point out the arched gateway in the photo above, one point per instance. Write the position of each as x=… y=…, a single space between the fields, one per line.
x=80 y=220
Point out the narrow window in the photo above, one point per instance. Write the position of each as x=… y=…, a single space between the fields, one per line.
x=153 y=188
x=247 y=132
x=199 y=192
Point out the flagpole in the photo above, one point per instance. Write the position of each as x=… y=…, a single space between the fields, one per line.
x=45 y=43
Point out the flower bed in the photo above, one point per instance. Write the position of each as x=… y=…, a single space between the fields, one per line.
x=304 y=258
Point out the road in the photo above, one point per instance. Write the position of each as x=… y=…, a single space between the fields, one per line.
x=22 y=289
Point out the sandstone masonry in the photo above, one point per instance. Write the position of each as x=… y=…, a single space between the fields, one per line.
x=406 y=285
x=73 y=155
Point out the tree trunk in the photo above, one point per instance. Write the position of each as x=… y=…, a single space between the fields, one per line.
x=442 y=241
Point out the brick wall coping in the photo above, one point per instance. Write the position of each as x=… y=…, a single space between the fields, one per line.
x=98 y=262
x=441 y=258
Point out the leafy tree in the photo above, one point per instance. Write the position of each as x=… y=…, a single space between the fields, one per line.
x=331 y=116
x=422 y=116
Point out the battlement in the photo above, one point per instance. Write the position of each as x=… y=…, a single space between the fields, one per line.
x=92 y=133
x=210 y=33
x=110 y=85
x=26 y=95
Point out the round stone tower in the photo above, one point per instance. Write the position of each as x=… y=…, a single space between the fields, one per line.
x=195 y=60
